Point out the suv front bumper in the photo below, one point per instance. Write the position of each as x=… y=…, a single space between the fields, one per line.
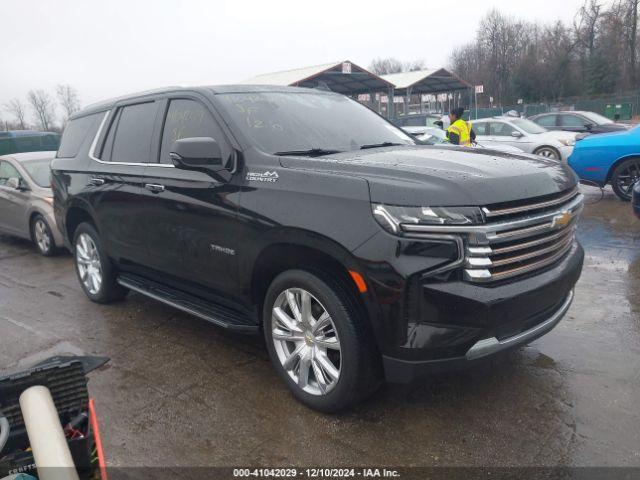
x=489 y=346
x=468 y=323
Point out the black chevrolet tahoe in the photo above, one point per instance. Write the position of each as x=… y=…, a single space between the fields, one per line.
x=358 y=253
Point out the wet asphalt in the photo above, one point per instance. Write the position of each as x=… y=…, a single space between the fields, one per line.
x=181 y=392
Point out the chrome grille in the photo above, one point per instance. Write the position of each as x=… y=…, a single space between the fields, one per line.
x=517 y=239
x=536 y=235
x=553 y=202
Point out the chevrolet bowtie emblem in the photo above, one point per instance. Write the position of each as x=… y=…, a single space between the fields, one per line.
x=561 y=220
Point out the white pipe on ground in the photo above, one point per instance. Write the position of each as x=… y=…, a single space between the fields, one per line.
x=48 y=443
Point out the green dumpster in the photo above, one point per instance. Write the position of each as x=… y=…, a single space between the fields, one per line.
x=618 y=111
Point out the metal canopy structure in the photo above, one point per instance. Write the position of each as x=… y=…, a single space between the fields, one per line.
x=379 y=92
x=430 y=81
x=341 y=77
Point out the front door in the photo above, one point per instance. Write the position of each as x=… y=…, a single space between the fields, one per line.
x=573 y=123
x=502 y=132
x=190 y=215
x=13 y=202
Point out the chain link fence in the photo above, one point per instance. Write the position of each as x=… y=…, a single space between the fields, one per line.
x=623 y=107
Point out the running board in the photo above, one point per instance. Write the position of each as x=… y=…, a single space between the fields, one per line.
x=209 y=311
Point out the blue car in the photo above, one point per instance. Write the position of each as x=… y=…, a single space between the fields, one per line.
x=609 y=158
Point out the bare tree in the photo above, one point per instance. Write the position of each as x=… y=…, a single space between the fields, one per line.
x=629 y=12
x=413 y=66
x=68 y=98
x=384 y=66
x=43 y=108
x=18 y=110
x=515 y=58
x=586 y=23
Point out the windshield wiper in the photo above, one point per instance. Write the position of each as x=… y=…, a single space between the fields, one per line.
x=312 y=152
x=383 y=144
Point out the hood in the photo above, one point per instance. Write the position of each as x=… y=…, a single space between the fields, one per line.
x=437 y=176
x=617 y=137
x=500 y=147
x=558 y=135
x=612 y=127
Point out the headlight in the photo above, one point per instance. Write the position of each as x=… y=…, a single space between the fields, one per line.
x=567 y=143
x=391 y=217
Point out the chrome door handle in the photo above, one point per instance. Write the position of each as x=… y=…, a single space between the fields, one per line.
x=96 y=182
x=154 y=187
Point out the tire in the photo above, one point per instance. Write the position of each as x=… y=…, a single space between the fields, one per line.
x=548 y=152
x=624 y=176
x=356 y=362
x=96 y=273
x=42 y=236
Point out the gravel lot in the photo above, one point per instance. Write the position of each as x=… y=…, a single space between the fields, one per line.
x=179 y=391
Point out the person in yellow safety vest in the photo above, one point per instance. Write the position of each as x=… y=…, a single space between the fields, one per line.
x=460 y=132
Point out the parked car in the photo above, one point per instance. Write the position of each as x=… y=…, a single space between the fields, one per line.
x=609 y=158
x=418 y=120
x=526 y=135
x=438 y=136
x=17 y=141
x=303 y=215
x=578 y=122
x=26 y=200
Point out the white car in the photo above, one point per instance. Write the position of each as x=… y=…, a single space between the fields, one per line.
x=526 y=135
x=438 y=136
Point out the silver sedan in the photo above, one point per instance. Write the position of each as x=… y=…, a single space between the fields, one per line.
x=526 y=135
x=26 y=200
x=439 y=137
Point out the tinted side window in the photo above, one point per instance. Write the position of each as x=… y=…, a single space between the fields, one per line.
x=75 y=134
x=7 y=171
x=132 y=142
x=500 y=129
x=186 y=119
x=573 y=121
x=108 y=143
x=480 y=128
x=547 y=121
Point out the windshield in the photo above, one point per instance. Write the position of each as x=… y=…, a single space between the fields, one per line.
x=527 y=125
x=597 y=118
x=286 y=122
x=39 y=171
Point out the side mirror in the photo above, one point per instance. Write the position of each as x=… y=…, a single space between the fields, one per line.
x=589 y=126
x=516 y=134
x=197 y=153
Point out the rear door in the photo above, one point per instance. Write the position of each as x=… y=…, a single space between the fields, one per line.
x=116 y=185
x=190 y=215
x=13 y=202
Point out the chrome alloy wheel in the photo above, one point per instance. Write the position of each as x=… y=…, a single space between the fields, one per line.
x=41 y=234
x=548 y=153
x=306 y=341
x=88 y=262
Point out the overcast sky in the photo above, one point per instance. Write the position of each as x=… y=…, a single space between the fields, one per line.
x=112 y=47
